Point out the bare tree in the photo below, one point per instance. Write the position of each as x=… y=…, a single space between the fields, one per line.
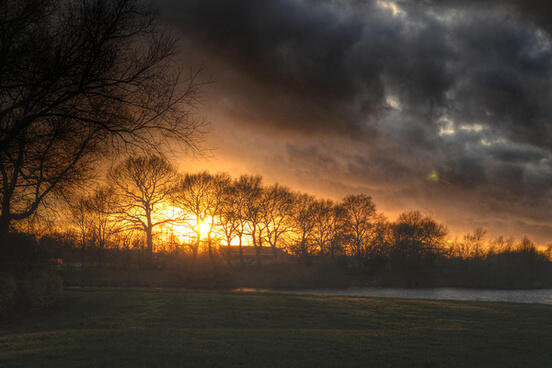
x=303 y=225
x=142 y=186
x=80 y=218
x=338 y=234
x=382 y=237
x=278 y=208
x=78 y=80
x=234 y=211
x=253 y=211
x=231 y=219
x=360 y=212
x=324 y=221
x=102 y=222
x=472 y=246
x=202 y=195
x=415 y=235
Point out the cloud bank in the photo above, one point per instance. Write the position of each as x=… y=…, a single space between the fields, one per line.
x=439 y=105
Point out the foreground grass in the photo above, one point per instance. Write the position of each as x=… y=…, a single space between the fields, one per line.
x=175 y=328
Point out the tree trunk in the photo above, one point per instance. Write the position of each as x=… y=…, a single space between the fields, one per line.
x=100 y=255
x=4 y=228
x=273 y=246
x=195 y=250
x=4 y=231
x=257 y=249
x=83 y=249
x=229 y=251
x=211 y=255
x=149 y=246
x=149 y=239
x=241 y=251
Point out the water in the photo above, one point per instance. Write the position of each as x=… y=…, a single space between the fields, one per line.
x=540 y=296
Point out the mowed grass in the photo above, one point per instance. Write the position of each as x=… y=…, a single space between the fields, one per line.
x=178 y=328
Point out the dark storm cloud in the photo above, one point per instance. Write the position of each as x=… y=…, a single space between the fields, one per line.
x=462 y=88
x=328 y=65
x=320 y=68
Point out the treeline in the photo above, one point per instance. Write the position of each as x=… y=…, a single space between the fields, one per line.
x=144 y=199
x=149 y=215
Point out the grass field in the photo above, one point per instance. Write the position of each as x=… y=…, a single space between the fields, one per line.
x=176 y=328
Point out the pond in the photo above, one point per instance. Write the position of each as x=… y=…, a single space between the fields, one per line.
x=540 y=296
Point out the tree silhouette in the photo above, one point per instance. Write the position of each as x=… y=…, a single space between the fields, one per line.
x=80 y=218
x=79 y=80
x=278 y=205
x=304 y=223
x=416 y=235
x=102 y=223
x=338 y=234
x=323 y=217
x=360 y=212
x=141 y=188
x=234 y=212
x=231 y=221
x=253 y=211
x=202 y=195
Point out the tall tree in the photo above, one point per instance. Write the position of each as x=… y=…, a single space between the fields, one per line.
x=234 y=211
x=278 y=208
x=324 y=220
x=231 y=219
x=304 y=223
x=79 y=79
x=338 y=234
x=142 y=186
x=360 y=212
x=253 y=211
x=202 y=196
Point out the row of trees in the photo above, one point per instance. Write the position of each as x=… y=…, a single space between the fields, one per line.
x=146 y=193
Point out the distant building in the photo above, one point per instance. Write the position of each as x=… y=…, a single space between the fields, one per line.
x=250 y=253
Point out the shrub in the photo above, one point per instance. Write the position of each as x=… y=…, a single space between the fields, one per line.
x=20 y=253
x=42 y=289
x=8 y=290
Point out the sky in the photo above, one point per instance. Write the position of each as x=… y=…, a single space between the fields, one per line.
x=442 y=106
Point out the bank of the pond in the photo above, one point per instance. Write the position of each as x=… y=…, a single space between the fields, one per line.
x=280 y=276
x=170 y=327
x=539 y=296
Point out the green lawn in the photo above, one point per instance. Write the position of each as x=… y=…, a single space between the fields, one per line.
x=175 y=328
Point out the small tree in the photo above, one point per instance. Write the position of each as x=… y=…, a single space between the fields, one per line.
x=80 y=219
x=472 y=245
x=102 y=223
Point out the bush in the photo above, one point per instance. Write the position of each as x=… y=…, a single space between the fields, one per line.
x=42 y=289
x=8 y=291
x=20 y=253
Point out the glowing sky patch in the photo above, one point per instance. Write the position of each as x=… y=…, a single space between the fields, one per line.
x=390 y=6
